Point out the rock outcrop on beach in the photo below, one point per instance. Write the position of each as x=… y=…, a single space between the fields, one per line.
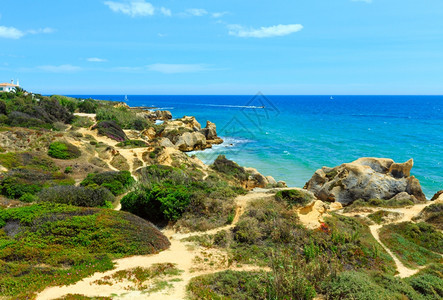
x=187 y=135
x=366 y=178
x=155 y=115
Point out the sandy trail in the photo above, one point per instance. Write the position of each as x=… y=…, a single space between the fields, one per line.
x=407 y=214
x=179 y=253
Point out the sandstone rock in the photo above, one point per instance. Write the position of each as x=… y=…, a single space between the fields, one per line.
x=165 y=142
x=401 y=170
x=149 y=133
x=437 y=196
x=281 y=184
x=255 y=179
x=210 y=132
x=190 y=141
x=271 y=180
x=365 y=178
x=404 y=196
x=3 y=169
x=163 y=115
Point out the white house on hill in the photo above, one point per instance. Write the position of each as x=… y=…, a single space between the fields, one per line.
x=8 y=87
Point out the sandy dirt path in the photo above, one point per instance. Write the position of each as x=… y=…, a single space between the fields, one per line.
x=185 y=258
x=407 y=214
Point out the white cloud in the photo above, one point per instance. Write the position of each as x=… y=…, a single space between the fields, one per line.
x=133 y=8
x=10 y=32
x=178 y=68
x=264 y=32
x=219 y=14
x=96 y=59
x=366 y=1
x=41 y=30
x=197 y=12
x=166 y=11
x=59 y=69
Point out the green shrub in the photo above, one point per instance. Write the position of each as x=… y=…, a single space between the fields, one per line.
x=115 y=181
x=88 y=106
x=55 y=244
x=132 y=144
x=294 y=197
x=63 y=150
x=413 y=243
x=123 y=117
x=78 y=196
x=428 y=285
x=157 y=204
x=112 y=130
x=354 y=285
x=230 y=168
x=68 y=170
x=84 y=122
x=229 y=285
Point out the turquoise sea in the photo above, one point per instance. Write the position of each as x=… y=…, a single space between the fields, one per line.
x=289 y=137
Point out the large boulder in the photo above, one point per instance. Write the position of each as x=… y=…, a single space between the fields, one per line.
x=366 y=178
x=210 y=132
x=190 y=141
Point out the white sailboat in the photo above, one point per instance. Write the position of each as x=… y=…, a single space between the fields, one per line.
x=126 y=98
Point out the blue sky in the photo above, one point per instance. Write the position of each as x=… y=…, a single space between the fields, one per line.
x=223 y=47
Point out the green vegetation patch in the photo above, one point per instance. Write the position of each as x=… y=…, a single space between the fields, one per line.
x=171 y=194
x=112 y=130
x=132 y=144
x=142 y=278
x=77 y=196
x=230 y=168
x=433 y=214
x=294 y=197
x=123 y=117
x=392 y=203
x=28 y=160
x=383 y=216
x=63 y=150
x=229 y=285
x=414 y=244
x=115 y=181
x=53 y=244
x=23 y=182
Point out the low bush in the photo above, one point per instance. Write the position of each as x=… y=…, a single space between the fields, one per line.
x=414 y=244
x=230 y=168
x=77 y=196
x=88 y=106
x=294 y=197
x=158 y=204
x=115 y=181
x=111 y=130
x=132 y=144
x=354 y=285
x=123 y=117
x=383 y=216
x=229 y=285
x=63 y=150
x=18 y=182
x=84 y=122
x=55 y=244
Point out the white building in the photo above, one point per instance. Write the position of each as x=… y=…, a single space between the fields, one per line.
x=8 y=87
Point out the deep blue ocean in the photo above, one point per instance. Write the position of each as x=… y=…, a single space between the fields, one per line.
x=289 y=137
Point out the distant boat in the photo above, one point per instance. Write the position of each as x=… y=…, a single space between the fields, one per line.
x=126 y=98
x=331 y=98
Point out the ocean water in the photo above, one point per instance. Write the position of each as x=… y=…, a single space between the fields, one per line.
x=289 y=137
